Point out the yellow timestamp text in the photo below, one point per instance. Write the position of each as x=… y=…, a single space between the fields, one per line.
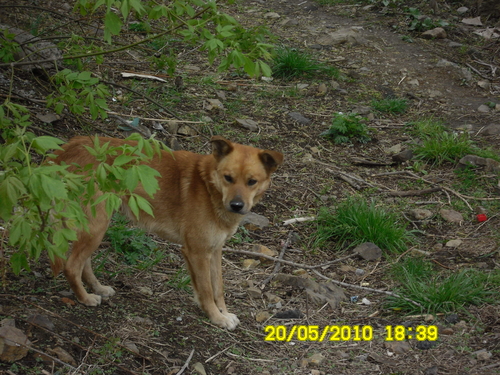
x=348 y=333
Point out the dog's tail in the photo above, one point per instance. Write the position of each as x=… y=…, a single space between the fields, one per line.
x=56 y=265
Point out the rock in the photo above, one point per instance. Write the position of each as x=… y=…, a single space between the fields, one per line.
x=398 y=347
x=48 y=118
x=396 y=149
x=482 y=355
x=254 y=292
x=262 y=316
x=345 y=35
x=41 y=321
x=483 y=108
x=248 y=124
x=289 y=314
x=318 y=293
x=131 y=346
x=453 y=243
x=253 y=221
x=13 y=344
x=491 y=129
x=443 y=63
x=361 y=110
x=368 y=251
x=198 y=367
x=300 y=272
x=403 y=156
x=359 y=272
x=213 y=105
x=33 y=49
x=7 y=322
x=451 y=216
x=492 y=166
x=462 y=10
x=421 y=214
x=249 y=264
x=431 y=371
x=186 y=130
x=272 y=297
x=271 y=15
x=289 y=23
x=145 y=291
x=437 y=33
x=299 y=118
x=451 y=318
x=476 y=21
x=316 y=359
x=446 y=331
x=63 y=355
x=426 y=345
x=261 y=249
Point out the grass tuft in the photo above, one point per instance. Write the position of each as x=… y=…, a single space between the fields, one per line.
x=291 y=63
x=394 y=106
x=438 y=293
x=347 y=128
x=356 y=221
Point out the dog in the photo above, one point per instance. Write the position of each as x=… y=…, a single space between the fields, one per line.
x=199 y=205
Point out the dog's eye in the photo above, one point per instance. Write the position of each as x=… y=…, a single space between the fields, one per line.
x=252 y=182
x=228 y=178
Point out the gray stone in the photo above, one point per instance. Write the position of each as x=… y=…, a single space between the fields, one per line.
x=253 y=219
x=41 y=321
x=254 y=292
x=483 y=108
x=398 y=347
x=491 y=129
x=437 y=33
x=420 y=213
x=453 y=243
x=403 y=156
x=368 y=251
x=299 y=118
x=248 y=124
x=13 y=344
x=451 y=216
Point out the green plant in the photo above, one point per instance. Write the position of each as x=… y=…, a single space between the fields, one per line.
x=291 y=63
x=8 y=48
x=79 y=91
x=347 y=128
x=41 y=206
x=443 y=147
x=444 y=293
x=180 y=280
x=394 y=106
x=419 y=23
x=355 y=221
x=136 y=247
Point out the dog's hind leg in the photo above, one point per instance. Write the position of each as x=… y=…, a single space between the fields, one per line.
x=78 y=267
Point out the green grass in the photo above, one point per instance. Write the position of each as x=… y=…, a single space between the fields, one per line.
x=394 y=106
x=441 y=293
x=356 y=221
x=346 y=129
x=291 y=63
x=136 y=247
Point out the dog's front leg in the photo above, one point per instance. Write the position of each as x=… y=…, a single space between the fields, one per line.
x=218 y=285
x=199 y=262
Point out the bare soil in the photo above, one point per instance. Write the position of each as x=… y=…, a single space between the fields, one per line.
x=156 y=314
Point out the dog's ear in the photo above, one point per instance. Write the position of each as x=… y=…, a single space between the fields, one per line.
x=220 y=146
x=271 y=160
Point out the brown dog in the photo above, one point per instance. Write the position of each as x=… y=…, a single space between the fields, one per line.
x=201 y=201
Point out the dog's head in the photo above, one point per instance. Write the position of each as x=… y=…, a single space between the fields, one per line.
x=243 y=173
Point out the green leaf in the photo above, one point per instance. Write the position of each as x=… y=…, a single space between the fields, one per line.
x=144 y=205
x=112 y=24
x=45 y=143
x=147 y=176
x=18 y=261
x=53 y=188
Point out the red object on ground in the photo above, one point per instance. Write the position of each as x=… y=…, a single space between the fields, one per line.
x=482 y=217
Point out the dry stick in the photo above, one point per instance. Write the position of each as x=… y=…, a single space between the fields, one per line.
x=277 y=265
x=186 y=364
x=313 y=269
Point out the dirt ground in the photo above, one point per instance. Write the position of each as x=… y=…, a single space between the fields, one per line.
x=152 y=325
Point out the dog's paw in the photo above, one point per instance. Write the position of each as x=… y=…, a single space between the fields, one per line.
x=228 y=320
x=105 y=291
x=91 y=300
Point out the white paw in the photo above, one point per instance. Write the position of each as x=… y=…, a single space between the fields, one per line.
x=230 y=322
x=91 y=300
x=105 y=291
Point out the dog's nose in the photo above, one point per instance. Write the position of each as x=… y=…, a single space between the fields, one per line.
x=236 y=205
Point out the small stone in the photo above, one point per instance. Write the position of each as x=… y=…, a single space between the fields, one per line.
x=426 y=345
x=254 y=292
x=437 y=33
x=272 y=297
x=248 y=124
x=483 y=355
x=453 y=243
x=462 y=10
x=396 y=149
x=7 y=322
x=144 y=290
x=271 y=15
x=451 y=318
x=262 y=316
x=289 y=314
x=460 y=326
x=451 y=216
x=483 y=108
x=198 y=367
x=253 y=221
x=41 y=321
x=63 y=355
x=398 y=347
x=299 y=118
x=429 y=318
x=264 y=250
x=421 y=213
x=431 y=371
x=491 y=129
x=249 y=264
x=446 y=331
x=359 y=272
x=368 y=251
x=131 y=346
x=300 y=272
x=13 y=344
x=403 y=156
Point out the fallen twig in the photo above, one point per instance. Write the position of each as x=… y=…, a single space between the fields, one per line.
x=186 y=364
x=277 y=264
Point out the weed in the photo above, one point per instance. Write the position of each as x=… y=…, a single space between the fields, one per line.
x=136 y=247
x=291 y=63
x=180 y=281
x=441 y=294
x=468 y=178
x=347 y=128
x=394 y=106
x=419 y=23
x=356 y=221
